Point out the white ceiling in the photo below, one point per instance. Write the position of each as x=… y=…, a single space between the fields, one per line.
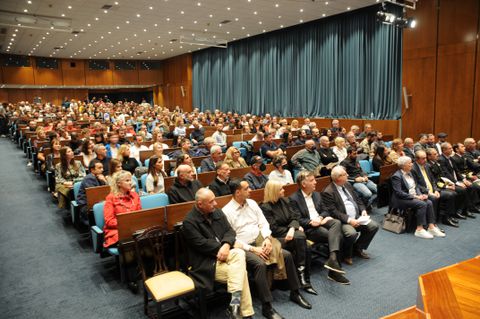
x=134 y=26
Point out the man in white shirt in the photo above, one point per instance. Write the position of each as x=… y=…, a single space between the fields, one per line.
x=248 y=221
x=219 y=136
x=137 y=147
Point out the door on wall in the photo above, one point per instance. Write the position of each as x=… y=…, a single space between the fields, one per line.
x=116 y=96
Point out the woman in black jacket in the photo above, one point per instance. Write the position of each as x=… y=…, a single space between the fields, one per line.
x=286 y=228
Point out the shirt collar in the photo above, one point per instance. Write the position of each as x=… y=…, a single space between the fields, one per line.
x=305 y=195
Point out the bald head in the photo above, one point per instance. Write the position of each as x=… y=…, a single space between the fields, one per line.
x=184 y=173
x=310 y=145
x=205 y=200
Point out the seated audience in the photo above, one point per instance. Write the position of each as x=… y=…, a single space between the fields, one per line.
x=286 y=228
x=112 y=146
x=180 y=130
x=407 y=194
x=55 y=145
x=158 y=138
x=67 y=172
x=320 y=226
x=442 y=138
x=88 y=152
x=255 y=178
x=421 y=144
x=233 y=158
x=93 y=179
x=208 y=164
x=213 y=254
x=197 y=135
x=302 y=137
x=340 y=199
x=443 y=200
x=120 y=200
x=368 y=144
x=471 y=156
x=219 y=136
x=254 y=236
x=137 y=147
x=359 y=179
x=185 y=148
x=408 y=148
x=101 y=155
x=128 y=163
x=287 y=141
x=327 y=156
x=185 y=159
x=308 y=158
x=381 y=158
x=270 y=149
x=185 y=186
x=340 y=149
x=114 y=166
x=158 y=151
x=281 y=172
x=397 y=150
x=220 y=185
x=367 y=128
x=155 y=178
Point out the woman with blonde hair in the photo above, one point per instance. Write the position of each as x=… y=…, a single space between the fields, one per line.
x=294 y=126
x=128 y=163
x=286 y=228
x=67 y=172
x=340 y=149
x=156 y=174
x=397 y=150
x=158 y=151
x=233 y=158
x=120 y=200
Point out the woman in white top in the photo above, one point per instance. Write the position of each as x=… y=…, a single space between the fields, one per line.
x=180 y=129
x=340 y=149
x=155 y=178
x=281 y=172
x=158 y=151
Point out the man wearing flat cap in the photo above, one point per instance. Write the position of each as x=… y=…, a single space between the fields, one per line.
x=442 y=138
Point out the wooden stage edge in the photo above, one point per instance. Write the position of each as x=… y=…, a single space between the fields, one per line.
x=451 y=292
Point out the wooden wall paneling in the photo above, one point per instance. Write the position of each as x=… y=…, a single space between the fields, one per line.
x=125 y=77
x=98 y=77
x=419 y=70
x=20 y=75
x=150 y=76
x=73 y=75
x=387 y=127
x=177 y=74
x=48 y=76
x=476 y=103
x=16 y=95
x=458 y=25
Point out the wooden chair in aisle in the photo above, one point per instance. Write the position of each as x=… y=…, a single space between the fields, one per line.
x=160 y=284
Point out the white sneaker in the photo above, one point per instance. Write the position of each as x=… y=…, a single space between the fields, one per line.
x=436 y=232
x=423 y=234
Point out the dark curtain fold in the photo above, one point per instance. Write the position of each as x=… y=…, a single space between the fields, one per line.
x=347 y=66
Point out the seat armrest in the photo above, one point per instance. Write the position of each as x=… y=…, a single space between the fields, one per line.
x=97 y=239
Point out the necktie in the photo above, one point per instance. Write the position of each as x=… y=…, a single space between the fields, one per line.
x=350 y=198
x=453 y=169
x=425 y=177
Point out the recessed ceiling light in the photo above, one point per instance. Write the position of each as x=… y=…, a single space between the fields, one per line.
x=236 y=19
x=205 y=30
x=96 y=18
x=25 y=10
x=301 y=21
x=195 y=21
x=158 y=37
x=243 y=28
x=228 y=32
x=301 y=10
x=134 y=34
x=63 y=14
x=248 y=35
x=323 y=14
x=210 y=15
x=16 y=30
x=14 y=35
x=181 y=27
x=118 y=27
x=228 y=8
x=81 y=30
x=29 y=2
x=89 y=25
x=276 y=5
x=151 y=8
x=182 y=12
x=105 y=11
x=259 y=22
x=127 y=22
x=279 y=17
x=348 y=8
x=199 y=4
x=116 y=3
x=69 y=7
x=169 y=32
x=138 y=15
x=326 y=3
x=281 y=26
x=109 y=32
x=168 y=19
x=155 y=25
x=255 y=12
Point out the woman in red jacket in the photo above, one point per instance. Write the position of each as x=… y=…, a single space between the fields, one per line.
x=122 y=199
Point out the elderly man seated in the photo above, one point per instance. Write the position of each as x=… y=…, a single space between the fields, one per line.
x=210 y=240
x=184 y=187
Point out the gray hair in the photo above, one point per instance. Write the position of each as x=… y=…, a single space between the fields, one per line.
x=215 y=148
x=97 y=147
x=337 y=171
x=403 y=160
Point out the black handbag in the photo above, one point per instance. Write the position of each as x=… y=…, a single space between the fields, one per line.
x=395 y=221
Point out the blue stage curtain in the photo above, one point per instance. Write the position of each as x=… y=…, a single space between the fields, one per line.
x=345 y=66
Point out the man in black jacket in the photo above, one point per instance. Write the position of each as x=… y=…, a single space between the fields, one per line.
x=319 y=225
x=93 y=179
x=340 y=199
x=327 y=156
x=443 y=200
x=470 y=155
x=210 y=240
x=220 y=186
x=184 y=187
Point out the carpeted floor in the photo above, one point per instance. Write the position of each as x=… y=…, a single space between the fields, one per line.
x=47 y=268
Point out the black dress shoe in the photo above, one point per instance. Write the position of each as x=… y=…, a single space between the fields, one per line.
x=271 y=313
x=310 y=290
x=333 y=265
x=233 y=311
x=454 y=219
x=337 y=277
x=459 y=215
x=133 y=286
x=449 y=222
x=470 y=214
x=297 y=298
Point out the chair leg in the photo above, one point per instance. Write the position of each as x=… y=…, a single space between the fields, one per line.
x=202 y=304
x=145 y=301
x=159 y=310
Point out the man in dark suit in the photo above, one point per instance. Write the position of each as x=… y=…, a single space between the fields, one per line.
x=471 y=156
x=184 y=187
x=327 y=156
x=208 y=164
x=462 y=185
x=340 y=200
x=210 y=240
x=319 y=226
x=443 y=200
x=408 y=148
